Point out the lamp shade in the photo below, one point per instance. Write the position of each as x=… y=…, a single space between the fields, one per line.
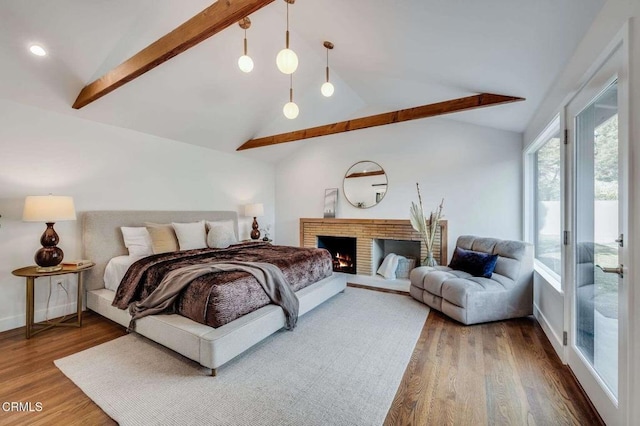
x=287 y=61
x=48 y=208
x=245 y=63
x=327 y=89
x=254 y=210
x=290 y=110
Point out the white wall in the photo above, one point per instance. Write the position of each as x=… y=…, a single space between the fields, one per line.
x=609 y=22
x=103 y=168
x=476 y=169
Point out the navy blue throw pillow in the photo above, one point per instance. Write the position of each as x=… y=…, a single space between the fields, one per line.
x=475 y=263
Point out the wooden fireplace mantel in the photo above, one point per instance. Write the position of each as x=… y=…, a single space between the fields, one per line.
x=366 y=231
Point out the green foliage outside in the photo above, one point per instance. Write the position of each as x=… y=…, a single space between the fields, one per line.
x=606 y=164
x=548 y=171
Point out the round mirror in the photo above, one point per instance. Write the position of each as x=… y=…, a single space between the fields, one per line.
x=365 y=184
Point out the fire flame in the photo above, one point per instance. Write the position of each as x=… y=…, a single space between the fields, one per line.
x=344 y=261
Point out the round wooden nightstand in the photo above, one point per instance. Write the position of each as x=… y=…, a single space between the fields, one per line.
x=30 y=273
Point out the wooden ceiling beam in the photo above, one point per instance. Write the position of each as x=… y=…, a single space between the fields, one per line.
x=205 y=24
x=365 y=174
x=424 y=111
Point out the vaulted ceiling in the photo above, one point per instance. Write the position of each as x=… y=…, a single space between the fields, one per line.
x=388 y=55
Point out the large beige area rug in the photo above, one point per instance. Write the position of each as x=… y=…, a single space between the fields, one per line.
x=341 y=366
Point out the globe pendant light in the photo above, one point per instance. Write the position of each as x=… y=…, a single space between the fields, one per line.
x=290 y=109
x=327 y=88
x=245 y=63
x=287 y=60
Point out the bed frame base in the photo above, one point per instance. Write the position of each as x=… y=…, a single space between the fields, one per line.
x=213 y=347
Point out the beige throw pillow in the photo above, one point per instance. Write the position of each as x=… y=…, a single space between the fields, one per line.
x=163 y=237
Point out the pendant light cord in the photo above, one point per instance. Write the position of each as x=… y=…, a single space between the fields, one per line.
x=245 y=42
x=327 y=49
x=287 y=34
x=290 y=87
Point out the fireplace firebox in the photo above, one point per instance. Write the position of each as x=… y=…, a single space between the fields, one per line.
x=343 y=252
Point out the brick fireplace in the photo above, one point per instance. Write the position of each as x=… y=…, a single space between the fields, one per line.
x=367 y=233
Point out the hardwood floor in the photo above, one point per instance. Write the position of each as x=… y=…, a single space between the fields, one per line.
x=501 y=373
x=498 y=373
x=27 y=374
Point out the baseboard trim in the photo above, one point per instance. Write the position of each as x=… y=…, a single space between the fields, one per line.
x=554 y=338
x=380 y=289
x=10 y=323
x=58 y=311
x=368 y=281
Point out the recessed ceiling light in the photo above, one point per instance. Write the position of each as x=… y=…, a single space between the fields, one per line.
x=37 y=50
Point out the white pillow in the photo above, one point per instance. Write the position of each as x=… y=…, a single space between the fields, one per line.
x=221 y=234
x=389 y=266
x=137 y=240
x=191 y=235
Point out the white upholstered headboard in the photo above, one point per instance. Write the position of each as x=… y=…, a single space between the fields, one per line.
x=102 y=238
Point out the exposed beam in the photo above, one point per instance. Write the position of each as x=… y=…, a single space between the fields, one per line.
x=424 y=111
x=210 y=21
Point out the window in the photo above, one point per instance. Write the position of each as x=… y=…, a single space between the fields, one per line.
x=545 y=210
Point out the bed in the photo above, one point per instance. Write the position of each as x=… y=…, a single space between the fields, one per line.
x=210 y=346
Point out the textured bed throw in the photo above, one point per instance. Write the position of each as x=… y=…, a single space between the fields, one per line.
x=217 y=298
x=270 y=278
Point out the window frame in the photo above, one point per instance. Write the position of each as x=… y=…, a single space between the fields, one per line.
x=530 y=192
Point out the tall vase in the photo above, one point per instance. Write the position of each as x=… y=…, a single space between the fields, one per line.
x=429 y=260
